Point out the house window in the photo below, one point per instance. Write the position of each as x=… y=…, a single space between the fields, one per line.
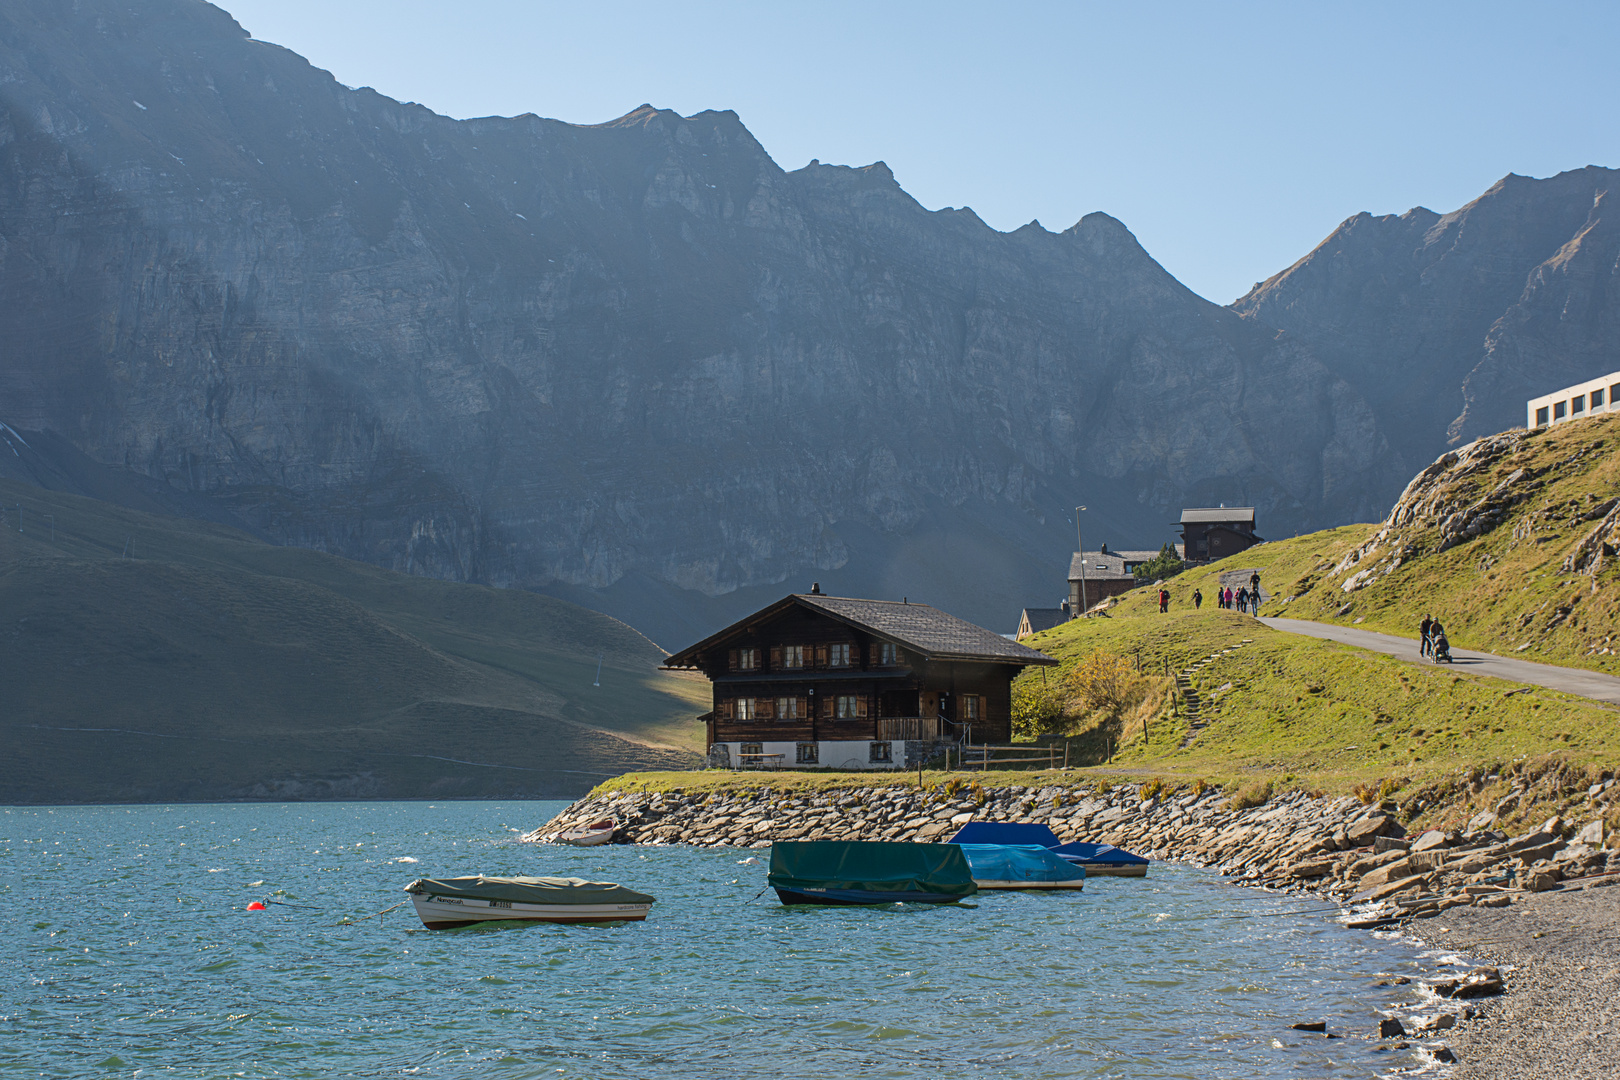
x=750 y=749
x=1597 y=399
x=838 y=656
x=747 y=708
x=806 y=754
x=880 y=752
x=1541 y=416
x=1577 y=404
x=789 y=708
x=1613 y=390
x=971 y=710
x=793 y=656
x=1558 y=409
x=747 y=659
x=889 y=654
x=849 y=707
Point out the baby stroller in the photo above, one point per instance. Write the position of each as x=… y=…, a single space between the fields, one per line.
x=1442 y=650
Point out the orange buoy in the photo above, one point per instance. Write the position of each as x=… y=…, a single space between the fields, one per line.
x=256 y=906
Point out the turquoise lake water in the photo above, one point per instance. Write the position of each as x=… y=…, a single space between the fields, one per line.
x=126 y=950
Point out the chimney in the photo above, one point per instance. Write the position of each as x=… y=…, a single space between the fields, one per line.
x=815 y=588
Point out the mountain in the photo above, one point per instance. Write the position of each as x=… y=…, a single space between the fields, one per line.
x=635 y=364
x=1446 y=324
x=150 y=658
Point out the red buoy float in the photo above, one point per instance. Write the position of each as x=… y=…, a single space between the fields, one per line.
x=256 y=906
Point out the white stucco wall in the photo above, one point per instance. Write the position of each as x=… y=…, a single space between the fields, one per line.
x=839 y=754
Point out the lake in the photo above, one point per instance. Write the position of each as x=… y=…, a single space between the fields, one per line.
x=126 y=950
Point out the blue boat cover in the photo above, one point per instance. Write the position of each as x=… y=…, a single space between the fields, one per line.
x=1019 y=862
x=1097 y=853
x=1004 y=832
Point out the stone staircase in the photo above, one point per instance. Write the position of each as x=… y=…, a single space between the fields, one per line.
x=1192 y=703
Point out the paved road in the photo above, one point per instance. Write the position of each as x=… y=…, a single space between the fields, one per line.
x=1589 y=684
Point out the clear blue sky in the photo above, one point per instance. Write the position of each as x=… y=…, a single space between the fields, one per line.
x=1230 y=138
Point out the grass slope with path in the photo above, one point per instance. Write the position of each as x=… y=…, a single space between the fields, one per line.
x=213 y=666
x=1508 y=589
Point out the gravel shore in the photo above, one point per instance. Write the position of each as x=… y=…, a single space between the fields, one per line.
x=1560 y=1016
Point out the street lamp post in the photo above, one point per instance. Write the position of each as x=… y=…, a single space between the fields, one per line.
x=1080 y=541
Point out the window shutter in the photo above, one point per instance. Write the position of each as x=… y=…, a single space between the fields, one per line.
x=733 y=659
x=766 y=709
x=821 y=656
x=804 y=708
x=725 y=710
x=776 y=658
x=826 y=707
x=861 y=707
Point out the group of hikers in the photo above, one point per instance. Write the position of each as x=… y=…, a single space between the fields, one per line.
x=1246 y=598
x=1432 y=640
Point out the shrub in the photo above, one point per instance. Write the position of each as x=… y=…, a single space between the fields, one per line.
x=1365 y=793
x=1163 y=565
x=1388 y=787
x=1199 y=787
x=1250 y=797
x=1152 y=789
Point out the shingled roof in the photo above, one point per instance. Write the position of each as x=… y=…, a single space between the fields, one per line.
x=919 y=627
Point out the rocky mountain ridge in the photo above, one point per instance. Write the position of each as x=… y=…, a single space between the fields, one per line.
x=634 y=364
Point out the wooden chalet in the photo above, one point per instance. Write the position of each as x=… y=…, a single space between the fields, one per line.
x=836 y=682
x=1211 y=533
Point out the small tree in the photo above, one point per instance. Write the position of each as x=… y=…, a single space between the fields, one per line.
x=1165 y=564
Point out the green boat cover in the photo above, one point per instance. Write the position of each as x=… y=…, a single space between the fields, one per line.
x=530 y=890
x=871 y=866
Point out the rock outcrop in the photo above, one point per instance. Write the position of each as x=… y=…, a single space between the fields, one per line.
x=1447 y=323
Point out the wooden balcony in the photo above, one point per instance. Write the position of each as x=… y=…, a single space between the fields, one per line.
x=911 y=728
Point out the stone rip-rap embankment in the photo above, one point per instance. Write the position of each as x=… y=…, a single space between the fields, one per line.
x=1337 y=847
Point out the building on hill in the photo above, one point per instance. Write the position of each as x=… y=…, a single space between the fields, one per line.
x=1214 y=532
x=1035 y=619
x=1574 y=402
x=843 y=683
x=1104 y=573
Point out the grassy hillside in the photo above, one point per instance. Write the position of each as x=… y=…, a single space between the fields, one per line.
x=158 y=658
x=1514 y=587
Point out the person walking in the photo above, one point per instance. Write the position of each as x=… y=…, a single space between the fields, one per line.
x=1254 y=583
x=1226 y=599
x=1254 y=603
x=1243 y=600
x=1423 y=635
x=1198 y=599
x=1164 y=601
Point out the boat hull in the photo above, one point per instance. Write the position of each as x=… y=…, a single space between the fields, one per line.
x=587 y=839
x=449 y=913
x=1076 y=885
x=849 y=897
x=1114 y=869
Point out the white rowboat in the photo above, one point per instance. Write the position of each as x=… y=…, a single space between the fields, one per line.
x=597 y=832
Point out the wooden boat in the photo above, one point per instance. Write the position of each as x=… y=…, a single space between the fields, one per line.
x=863 y=872
x=447 y=903
x=1021 y=866
x=1098 y=860
x=597 y=832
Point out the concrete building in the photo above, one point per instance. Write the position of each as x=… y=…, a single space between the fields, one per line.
x=1573 y=402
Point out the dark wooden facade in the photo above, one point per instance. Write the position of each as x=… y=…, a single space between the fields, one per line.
x=1208 y=534
x=812 y=669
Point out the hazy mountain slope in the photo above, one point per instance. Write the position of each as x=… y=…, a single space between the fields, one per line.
x=1446 y=324
x=212 y=666
x=623 y=362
